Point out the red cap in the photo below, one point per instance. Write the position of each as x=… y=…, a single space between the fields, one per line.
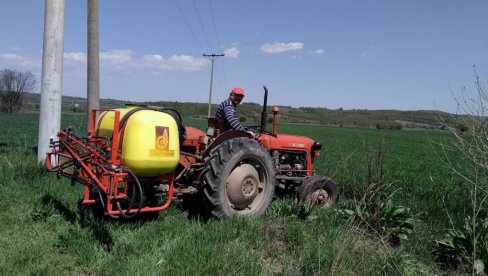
x=238 y=91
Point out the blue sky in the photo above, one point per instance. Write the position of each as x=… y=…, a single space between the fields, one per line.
x=405 y=55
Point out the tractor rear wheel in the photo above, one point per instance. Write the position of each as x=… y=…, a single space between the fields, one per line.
x=319 y=190
x=240 y=178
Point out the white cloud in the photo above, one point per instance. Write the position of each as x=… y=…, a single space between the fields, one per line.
x=19 y=61
x=111 y=60
x=118 y=59
x=279 y=47
x=125 y=59
x=174 y=62
x=369 y=52
x=76 y=57
x=232 y=52
x=16 y=49
x=13 y=57
x=319 y=51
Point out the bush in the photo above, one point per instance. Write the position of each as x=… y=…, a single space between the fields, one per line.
x=393 y=222
x=461 y=126
x=458 y=245
x=374 y=209
x=468 y=245
x=389 y=125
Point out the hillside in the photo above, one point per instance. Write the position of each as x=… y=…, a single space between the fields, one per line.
x=250 y=113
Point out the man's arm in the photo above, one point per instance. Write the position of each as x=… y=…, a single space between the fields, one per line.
x=231 y=118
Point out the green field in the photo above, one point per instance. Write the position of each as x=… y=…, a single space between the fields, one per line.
x=44 y=231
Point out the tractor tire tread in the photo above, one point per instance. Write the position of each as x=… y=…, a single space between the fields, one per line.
x=221 y=158
x=319 y=181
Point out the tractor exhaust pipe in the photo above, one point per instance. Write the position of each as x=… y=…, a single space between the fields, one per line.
x=264 y=115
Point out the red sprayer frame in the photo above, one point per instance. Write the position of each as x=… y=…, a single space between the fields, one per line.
x=95 y=162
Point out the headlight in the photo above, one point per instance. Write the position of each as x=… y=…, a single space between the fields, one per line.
x=315 y=149
x=317 y=146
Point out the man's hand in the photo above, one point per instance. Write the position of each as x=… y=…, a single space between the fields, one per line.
x=253 y=134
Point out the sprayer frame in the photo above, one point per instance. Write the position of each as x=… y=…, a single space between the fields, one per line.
x=101 y=176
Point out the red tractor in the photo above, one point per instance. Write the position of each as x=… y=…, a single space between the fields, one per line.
x=137 y=159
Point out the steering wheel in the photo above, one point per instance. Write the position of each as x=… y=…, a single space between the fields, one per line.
x=256 y=128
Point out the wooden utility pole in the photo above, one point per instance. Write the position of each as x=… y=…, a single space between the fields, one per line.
x=52 y=75
x=93 y=75
x=212 y=57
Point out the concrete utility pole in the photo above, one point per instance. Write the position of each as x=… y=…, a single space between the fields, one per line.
x=52 y=75
x=212 y=57
x=93 y=75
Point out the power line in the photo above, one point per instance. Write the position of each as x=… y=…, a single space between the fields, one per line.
x=201 y=25
x=213 y=22
x=218 y=40
x=213 y=56
x=188 y=25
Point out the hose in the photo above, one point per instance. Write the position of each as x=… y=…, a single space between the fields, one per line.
x=131 y=204
x=100 y=198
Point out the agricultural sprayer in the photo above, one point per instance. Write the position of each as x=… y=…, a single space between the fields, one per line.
x=137 y=159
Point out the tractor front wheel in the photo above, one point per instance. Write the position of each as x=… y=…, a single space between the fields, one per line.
x=240 y=178
x=319 y=190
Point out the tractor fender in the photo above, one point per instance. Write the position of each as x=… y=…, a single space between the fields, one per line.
x=224 y=137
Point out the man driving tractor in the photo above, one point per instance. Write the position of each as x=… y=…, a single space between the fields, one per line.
x=227 y=110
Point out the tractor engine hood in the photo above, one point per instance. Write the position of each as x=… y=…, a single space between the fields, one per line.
x=286 y=141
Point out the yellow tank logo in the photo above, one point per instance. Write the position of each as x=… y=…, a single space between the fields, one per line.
x=162 y=139
x=161 y=143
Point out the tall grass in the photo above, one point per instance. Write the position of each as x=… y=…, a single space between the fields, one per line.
x=44 y=230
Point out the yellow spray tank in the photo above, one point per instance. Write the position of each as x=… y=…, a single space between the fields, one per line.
x=149 y=139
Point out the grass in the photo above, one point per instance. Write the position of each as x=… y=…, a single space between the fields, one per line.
x=43 y=230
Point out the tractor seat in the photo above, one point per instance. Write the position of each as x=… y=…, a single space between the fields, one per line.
x=217 y=125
